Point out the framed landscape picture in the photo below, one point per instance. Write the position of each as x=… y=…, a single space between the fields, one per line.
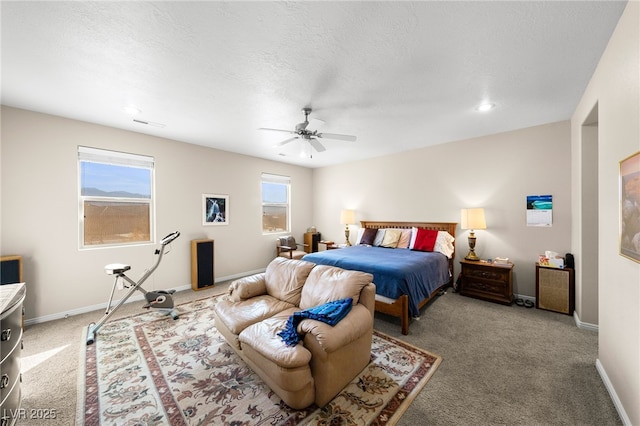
x=215 y=209
x=630 y=207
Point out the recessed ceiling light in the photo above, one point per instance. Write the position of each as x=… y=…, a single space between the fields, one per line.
x=131 y=110
x=485 y=106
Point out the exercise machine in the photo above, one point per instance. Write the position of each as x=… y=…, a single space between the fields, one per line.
x=160 y=300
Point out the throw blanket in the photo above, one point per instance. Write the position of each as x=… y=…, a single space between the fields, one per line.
x=330 y=313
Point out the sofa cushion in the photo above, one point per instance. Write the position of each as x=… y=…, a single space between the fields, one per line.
x=284 y=278
x=327 y=283
x=263 y=338
x=239 y=315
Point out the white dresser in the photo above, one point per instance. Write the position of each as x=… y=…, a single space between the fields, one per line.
x=11 y=299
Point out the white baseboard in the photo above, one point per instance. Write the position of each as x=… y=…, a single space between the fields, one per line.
x=584 y=325
x=138 y=297
x=612 y=393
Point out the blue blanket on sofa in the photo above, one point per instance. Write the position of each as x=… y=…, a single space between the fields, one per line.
x=330 y=313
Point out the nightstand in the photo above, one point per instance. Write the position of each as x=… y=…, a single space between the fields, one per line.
x=330 y=245
x=487 y=281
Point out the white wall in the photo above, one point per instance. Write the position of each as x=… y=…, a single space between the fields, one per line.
x=496 y=172
x=40 y=210
x=615 y=89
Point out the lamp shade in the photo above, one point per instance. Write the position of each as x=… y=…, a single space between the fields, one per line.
x=472 y=219
x=348 y=217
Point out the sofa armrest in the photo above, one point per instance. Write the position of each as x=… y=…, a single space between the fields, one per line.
x=357 y=323
x=247 y=287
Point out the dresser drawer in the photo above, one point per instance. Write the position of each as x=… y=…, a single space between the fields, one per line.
x=10 y=330
x=10 y=373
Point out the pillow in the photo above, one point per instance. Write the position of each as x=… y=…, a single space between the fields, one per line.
x=391 y=237
x=405 y=238
x=359 y=237
x=425 y=240
x=414 y=233
x=444 y=243
x=368 y=236
x=379 y=237
x=288 y=241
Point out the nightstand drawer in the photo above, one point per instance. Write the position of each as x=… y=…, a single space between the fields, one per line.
x=491 y=287
x=500 y=275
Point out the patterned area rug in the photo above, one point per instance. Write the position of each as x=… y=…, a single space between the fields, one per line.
x=151 y=370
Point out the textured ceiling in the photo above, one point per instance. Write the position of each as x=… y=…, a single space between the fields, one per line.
x=398 y=75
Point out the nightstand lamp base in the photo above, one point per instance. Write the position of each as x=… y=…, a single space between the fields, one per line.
x=472 y=245
x=472 y=257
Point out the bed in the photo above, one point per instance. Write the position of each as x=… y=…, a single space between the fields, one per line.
x=405 y=279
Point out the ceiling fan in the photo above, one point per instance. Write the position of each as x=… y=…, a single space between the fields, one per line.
x=310 y=136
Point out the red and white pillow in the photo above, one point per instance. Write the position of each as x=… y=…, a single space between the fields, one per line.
x=430 y=240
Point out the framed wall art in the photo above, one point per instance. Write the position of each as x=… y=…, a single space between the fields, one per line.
x=630 y=207
x=215 y=209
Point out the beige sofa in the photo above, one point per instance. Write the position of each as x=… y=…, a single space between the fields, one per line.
x=328 y=357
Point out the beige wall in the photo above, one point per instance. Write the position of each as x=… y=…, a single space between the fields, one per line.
x=615 y=91
x=40 y=210
x=496 y=172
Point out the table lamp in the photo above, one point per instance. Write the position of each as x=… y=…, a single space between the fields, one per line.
x=347 y=217
x=472 y=219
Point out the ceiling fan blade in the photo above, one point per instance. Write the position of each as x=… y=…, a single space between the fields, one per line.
x=276 y=130
x=286 y=141
x=337 y=136
x=317 y=145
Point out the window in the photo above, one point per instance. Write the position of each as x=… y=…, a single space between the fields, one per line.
x=115 y=197
x=275 y=203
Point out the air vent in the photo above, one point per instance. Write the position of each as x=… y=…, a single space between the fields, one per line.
x=149 y=123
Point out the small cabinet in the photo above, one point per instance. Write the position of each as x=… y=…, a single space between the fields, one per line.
x=555 y=289
x=311 y=240
x=487 y=281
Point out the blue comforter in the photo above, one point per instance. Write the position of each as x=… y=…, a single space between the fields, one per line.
x=395 y=271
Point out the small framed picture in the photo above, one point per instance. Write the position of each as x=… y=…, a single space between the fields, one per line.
x=215 y=209
x=630 y=207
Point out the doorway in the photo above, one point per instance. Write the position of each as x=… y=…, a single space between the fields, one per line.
x=588 y=270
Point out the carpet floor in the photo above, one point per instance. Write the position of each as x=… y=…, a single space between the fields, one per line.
x=503 y=365
x=149 y=369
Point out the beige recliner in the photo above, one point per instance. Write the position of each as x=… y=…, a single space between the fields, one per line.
x=328 y=357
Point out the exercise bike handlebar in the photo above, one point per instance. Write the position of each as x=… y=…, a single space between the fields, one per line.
x=166 y=240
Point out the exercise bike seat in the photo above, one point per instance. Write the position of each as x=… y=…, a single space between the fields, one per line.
x=116 y=268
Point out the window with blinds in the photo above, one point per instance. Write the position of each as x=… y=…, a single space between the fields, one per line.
x=275 y=203
x=116 y=205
